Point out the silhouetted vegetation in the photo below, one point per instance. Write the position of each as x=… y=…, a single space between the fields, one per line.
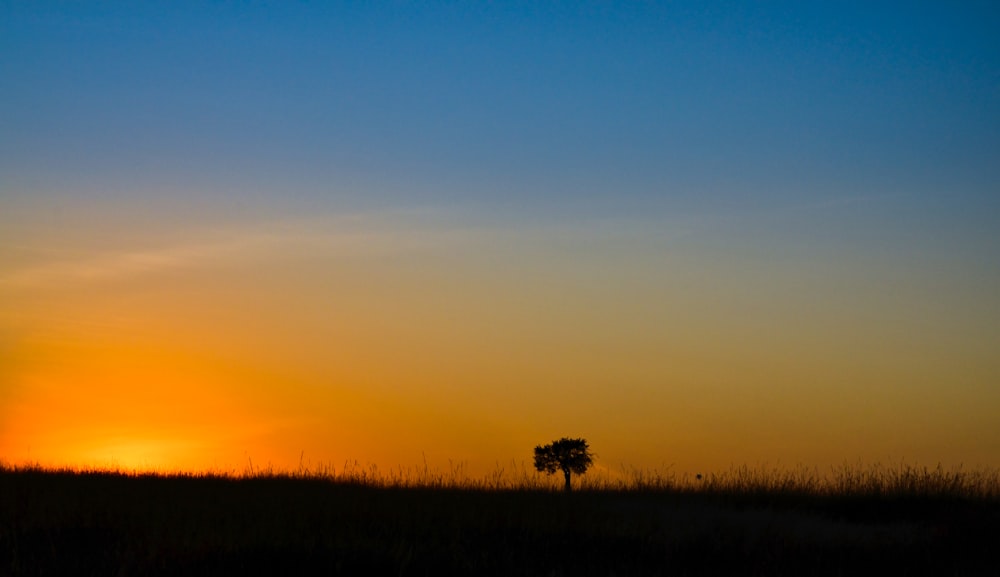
x=359 y=521
x=566 y=455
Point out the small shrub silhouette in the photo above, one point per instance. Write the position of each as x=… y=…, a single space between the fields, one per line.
x=566 y=455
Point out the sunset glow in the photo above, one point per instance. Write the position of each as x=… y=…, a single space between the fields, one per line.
x=450 y=237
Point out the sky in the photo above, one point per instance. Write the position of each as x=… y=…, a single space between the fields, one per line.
x=698 y=234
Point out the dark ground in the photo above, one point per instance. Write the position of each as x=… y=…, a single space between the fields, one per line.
x=55 y=523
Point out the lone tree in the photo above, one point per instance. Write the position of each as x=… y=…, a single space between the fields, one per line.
x=566 y=455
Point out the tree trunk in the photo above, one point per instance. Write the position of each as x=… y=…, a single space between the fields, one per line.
x=569 y=488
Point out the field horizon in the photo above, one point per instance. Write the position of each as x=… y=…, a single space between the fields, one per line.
x=848 y=479
x=904 y=520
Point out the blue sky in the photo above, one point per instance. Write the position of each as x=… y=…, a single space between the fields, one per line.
x=604 y=105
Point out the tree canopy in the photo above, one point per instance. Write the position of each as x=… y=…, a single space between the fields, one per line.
x=566 y=455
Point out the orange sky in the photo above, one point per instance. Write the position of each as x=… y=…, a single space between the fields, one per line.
x=399 y=233
x=396 y=337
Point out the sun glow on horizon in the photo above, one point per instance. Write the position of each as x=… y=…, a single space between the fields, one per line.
x=473 y=347
x=412 y=234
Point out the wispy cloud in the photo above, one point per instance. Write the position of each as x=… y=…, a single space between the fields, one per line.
x=325 y=236
x=329 y=236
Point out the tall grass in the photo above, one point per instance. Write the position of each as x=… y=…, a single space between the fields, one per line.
x=877 y=480
x=355 y=519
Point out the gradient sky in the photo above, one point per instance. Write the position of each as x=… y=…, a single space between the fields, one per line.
x=697 y=234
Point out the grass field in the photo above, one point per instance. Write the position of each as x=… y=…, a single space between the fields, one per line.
x=898 y=520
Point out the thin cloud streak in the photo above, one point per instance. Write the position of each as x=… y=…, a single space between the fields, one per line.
x=359 y=234
x=344 y=236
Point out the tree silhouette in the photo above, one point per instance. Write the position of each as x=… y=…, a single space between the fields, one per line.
x=566 y=455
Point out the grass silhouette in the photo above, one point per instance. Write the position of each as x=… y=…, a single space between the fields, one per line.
x=355 y=519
